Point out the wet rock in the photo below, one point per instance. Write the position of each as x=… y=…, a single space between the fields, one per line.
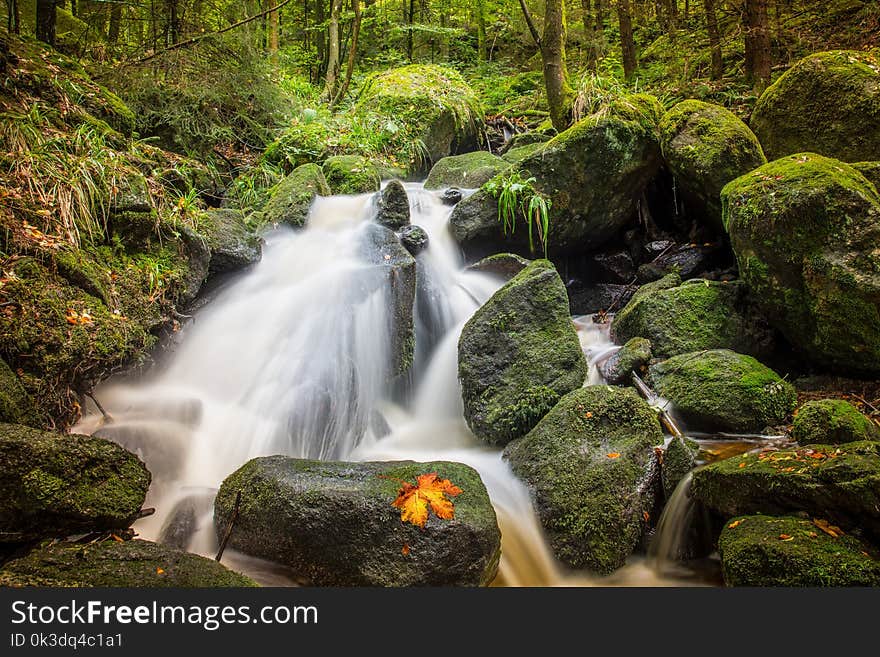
x=291 y=199
x=634 y=356
x=505 y=265
x=679 y=459
x=470 y=170
x=451 y=196
x=392 y=206
x=591 y=467
x=518 y=355
x=379 y=425
x=688 y=260
x=589 y=299
x=831 y=421
x=720 y=390
x=132 y=194
x=233 y=245
x=791 y=551
x=806 y=233
x=129 y=564
x=518 y=154
x=414 y=239
x=57 y=485
x=333 y=523
x=614 y=267
x=351 y=174
x=183 y=521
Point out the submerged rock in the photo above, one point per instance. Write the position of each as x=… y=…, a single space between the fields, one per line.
x=290 y=200
x=679 y=459
x=392 y=206
x=414 y=239
x=591 y=467
x=233 y=244
x=129 y=564
x=806 y=233
x=518 y=355
x=470 y=170
x=634 y=356
x=831 y=421
x=334 y=524
x=827 y=103
x=351 y=174
x=451 y=196
x=790 y=551
x=721 y=390
x=837 y=482
x=58 y=485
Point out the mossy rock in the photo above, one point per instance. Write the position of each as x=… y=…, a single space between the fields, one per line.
x=871 y=171
x=518 y=154
x=470 y=170
x=129 y=564
x=233 y=244
x=333 y=523
x=591 y=468
x=594 y=174
x=806 y=233
x=434 y=102
x=832 y=421
x=524 y=139
x=694 y=316
x=721 y=390
x=634 y=356
x=679 y=459
x=79 y=268
x=505 y=265
x=827 y=103
x=392 y=206
x=291 y=199
x=16 y=406
x=706 y=146
x=837 y=482
x=791 y=551
x=518 y=354
x=351 y=174
x=57 y=485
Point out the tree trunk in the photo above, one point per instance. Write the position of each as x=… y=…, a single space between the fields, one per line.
x=590 y=36
x=627 y=45
x=13 y=23
x=273 y=36
x=115 y=19
x=45 y=28
x=409 y=33
x=714 y=39
x=173 y=21
x=559 y=93
x=352 y=53
x=333 y=50
x=758 y=58
x=481 y=30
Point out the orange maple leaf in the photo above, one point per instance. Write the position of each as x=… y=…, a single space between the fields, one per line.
x=413 y=501
x=613 y=455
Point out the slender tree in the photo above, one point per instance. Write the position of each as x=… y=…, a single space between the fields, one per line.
x=272 y=40
x=12 y=17
x=757 y=44
x=45 y=15
x=352 y=53
x=480 y=9
x=115 y=20
x=714 y=39
x=590 y=35
x=333 y=50
x=627 y=43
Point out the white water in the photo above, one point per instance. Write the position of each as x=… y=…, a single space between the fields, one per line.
x=292 y=359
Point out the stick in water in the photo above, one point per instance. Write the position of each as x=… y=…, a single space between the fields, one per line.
x=228 y=532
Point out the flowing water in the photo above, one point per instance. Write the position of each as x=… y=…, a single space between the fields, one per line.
x=292 y=358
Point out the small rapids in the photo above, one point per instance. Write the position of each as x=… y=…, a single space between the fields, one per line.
x=292 y=357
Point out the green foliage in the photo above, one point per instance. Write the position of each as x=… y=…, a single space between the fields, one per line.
x=517 y=197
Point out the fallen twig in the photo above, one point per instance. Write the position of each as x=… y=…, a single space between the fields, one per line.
x=229 y=527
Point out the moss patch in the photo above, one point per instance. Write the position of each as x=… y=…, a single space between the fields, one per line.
x=290 y=200
x=351 y=174
x=470 y=170
x=831 y=421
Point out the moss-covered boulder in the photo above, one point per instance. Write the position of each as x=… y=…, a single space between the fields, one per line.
x=721 y=390
x=470 y=170
x=593 y=173
x=806 y=233
x=56 y=485
x=351 y=174
x=129 y=564
x=696 y=315
x=505 y=265
x=392 y=206
x=871 y=171
x=232 y=242
x=414 y=239
x=333 y=523
x=518 y=154
x=591 y=468
x=434 y=102
x=634 y=356
x=524 y=139
x=16 y=406
x=397 y=276
x=831 y=421
x=518 y=355
x=706 y=146
x=291 y=199
x=827 y=103
x=678 y=460
x=837 y=482
x=791 y=551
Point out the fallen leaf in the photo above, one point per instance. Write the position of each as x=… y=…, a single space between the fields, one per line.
x=405 y=549
x=743 y=464
x=786 y=537
x=646 y=516
x=613 y=455
x=828 y=528
x=735 y=524
x=116 y=538
x=413 y=501
x=159 y=571
x=588 y=415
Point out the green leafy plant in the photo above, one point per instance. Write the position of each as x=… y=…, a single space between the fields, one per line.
x=518 y=197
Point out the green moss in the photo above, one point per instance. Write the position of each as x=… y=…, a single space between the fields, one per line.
x=831 y=421
x=518 y=154
x=679 y=459
x=351 y=174
x=789 y=551
x=16 y=406
x=871 y=171
x=290 y=200
x=827 y=103
x=723 y=390
x=469 y=171
x=584 y=462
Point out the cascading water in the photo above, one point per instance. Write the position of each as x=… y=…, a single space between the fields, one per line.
x=293 y=358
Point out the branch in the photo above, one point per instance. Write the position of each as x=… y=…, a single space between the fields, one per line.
x=190 y=42
x=530 y=23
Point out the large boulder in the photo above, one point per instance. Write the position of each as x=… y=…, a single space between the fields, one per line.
x=334 y=523
x=634 y=356
x=469 y=170
x=233 y=244
x=591 y=468
x=837 y=482
x=434 y=102
x=696 y=315
x=790 y=551
x=126 y=564
x=806 y=233
x=706 y=146
x=58 y=485
x=831 y=421
x=871 y=171
x=351 y=174
x=518 y=154
x=827 y=103
x=291 y=199
x=518 y=355
x=721 y=390
x=594 y=174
